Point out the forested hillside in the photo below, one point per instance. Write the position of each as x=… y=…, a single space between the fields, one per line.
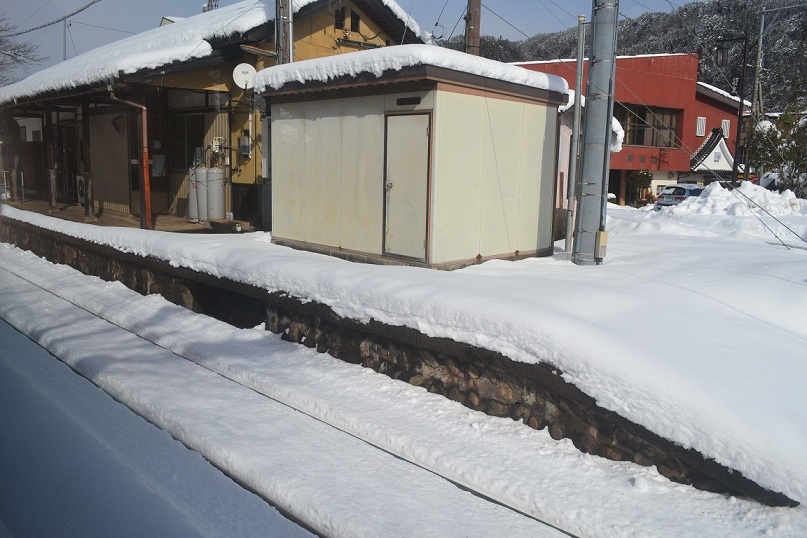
x=697 y=27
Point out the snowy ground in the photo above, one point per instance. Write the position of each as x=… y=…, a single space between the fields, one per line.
x=693 y=328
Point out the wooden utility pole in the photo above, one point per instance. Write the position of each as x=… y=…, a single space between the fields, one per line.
x=472 y=24
x=283 y=32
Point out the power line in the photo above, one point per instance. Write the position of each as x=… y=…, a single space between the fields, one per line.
x=37 y=11
x=511 y=25
x=60 y=19
x=102 y=27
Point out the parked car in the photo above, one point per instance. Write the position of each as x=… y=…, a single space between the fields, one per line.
x=675 y=194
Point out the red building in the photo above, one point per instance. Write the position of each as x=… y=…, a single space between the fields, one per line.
x=665 y=112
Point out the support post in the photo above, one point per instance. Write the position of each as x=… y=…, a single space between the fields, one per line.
x=592 y=188
x=15 y=172
x=50 y=158
x=89 y=194
x=145 y=187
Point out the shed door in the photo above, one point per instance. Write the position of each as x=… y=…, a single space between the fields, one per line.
x=406 y=185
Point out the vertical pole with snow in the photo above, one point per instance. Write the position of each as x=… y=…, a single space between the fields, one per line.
x=574 y=154
x=592 y=187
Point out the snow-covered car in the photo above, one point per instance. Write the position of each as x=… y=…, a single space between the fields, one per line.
x=675 y=194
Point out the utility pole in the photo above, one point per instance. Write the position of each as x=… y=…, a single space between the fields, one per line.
x=757 y=112
x=757 y=108
x=283 y=32
x=590 y=238
x=472 y=26
x=574 y=153
x=740 y=110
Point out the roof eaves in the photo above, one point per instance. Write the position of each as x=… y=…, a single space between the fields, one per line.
x=418 y=73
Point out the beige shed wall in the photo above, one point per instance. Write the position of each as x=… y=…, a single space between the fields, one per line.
x=493 y=177
x=328 y=170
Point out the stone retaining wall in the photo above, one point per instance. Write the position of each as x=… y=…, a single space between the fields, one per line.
x=477 y=378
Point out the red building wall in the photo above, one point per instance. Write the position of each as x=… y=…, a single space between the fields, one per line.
x=666 y=81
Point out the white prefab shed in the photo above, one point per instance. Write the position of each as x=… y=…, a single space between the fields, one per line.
x=413 y=154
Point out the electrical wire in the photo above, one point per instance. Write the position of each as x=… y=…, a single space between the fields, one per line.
x=437 y=24
x=457 y=23
x=102 y=27
x=37 y=11
x=54 y=22
x=506 y=21
x=70 y=33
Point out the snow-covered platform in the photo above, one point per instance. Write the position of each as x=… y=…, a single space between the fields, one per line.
x=480 y=363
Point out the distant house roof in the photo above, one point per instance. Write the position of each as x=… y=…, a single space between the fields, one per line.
x=720 y=95
x=713 y=155
x=178 y=41
x=384 y=61
x=169 y=20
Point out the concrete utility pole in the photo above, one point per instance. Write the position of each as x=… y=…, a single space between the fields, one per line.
x=284 y=39
x=590 y=238
x=472 y=26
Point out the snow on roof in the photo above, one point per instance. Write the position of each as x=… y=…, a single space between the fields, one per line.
x=395 y=58
x=701 y=86
x=180 y=41
x=408 y=21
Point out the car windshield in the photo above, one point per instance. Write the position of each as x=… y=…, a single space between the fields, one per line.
x=674 y=190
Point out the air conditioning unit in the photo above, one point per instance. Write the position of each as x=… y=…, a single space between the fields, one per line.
x=81 y=189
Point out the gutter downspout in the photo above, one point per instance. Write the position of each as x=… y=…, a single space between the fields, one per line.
x=145 y=188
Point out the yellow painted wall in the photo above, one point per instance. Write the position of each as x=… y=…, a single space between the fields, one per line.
x=316 y=36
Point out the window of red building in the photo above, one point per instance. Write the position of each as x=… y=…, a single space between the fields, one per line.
x=649 y=126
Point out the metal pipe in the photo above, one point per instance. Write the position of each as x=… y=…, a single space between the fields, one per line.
x=145 y=188
x=575 y=146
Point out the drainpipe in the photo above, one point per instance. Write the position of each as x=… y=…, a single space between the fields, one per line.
x=145 y=188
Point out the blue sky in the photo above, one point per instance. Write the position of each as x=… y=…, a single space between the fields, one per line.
x=110 y=20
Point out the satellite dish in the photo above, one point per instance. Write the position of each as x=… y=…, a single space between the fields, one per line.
x=244 y=75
